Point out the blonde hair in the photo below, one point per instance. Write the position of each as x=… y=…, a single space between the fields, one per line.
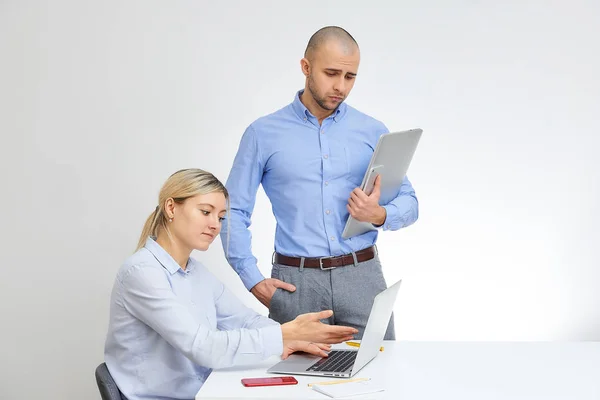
x=180 y=186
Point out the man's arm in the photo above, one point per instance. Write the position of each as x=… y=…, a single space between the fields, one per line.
x=400 y=212
x=242 y=185
x=403 y=210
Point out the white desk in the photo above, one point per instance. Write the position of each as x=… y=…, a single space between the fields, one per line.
x=447 y=370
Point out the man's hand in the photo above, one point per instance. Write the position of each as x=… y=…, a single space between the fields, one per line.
x=265 y=289
x=366 y=208
x=292 y=346
x=308 y=327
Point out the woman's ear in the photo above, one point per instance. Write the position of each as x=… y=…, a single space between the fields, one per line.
x=170 y=208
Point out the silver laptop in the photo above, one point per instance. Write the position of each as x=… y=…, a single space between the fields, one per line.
x=391 y=159
x=346 y=363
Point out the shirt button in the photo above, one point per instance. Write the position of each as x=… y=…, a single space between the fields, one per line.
x=326 y=183
x=332 y=238
x=388 y=226
x=326 y=156
x=322 y=130
x=327 y=212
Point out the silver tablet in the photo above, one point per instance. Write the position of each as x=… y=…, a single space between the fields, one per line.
x=391 y=158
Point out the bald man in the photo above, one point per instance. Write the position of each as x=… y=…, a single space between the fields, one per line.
x=310 y=157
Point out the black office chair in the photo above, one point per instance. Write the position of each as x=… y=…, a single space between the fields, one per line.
x=107 y=386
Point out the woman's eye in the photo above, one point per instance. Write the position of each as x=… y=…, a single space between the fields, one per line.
x=205 y=212
x=221 y=219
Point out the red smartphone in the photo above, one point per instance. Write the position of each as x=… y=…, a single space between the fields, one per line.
x=270 y=381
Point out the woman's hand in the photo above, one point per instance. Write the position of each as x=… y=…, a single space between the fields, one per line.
x=292 y=346
x=309 y=328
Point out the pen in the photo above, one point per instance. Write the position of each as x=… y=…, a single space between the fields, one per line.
x=339 y=381
x=356 y=344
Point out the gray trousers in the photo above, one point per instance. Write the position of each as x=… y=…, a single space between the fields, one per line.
x=349 y=291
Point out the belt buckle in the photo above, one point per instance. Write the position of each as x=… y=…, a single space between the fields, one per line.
x=321 y=264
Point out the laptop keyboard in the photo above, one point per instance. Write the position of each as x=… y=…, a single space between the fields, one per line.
x=338 y=361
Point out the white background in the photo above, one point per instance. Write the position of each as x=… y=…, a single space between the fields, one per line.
x=101 y=101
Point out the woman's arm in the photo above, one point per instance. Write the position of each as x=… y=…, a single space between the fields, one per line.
x=148 y=296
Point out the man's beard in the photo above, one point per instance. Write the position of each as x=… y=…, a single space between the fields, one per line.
x=319 y=100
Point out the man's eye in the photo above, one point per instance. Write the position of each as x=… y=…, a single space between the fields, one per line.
x=221 y=219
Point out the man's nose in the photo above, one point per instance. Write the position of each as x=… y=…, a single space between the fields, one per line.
x=340 y=84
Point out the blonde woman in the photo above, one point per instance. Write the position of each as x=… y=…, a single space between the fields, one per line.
x=172 y=322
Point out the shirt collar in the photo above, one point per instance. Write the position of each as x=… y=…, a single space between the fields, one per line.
x=303 y=113
x=165 y=258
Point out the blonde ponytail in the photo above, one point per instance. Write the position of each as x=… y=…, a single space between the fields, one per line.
x=153 y=222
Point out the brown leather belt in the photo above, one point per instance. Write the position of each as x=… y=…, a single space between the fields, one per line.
x=326 y=262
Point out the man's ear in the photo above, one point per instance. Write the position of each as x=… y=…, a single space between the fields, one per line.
x=305 y=66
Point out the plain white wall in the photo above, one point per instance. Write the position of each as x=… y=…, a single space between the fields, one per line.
x=101 y=101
